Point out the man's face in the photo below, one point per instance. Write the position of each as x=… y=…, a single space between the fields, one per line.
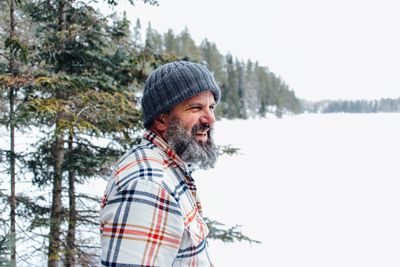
x=197 y=110
x=189 y=130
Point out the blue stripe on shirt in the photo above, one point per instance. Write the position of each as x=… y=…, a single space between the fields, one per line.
x=193 y=250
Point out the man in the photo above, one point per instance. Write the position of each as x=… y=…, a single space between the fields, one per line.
x=151 y=214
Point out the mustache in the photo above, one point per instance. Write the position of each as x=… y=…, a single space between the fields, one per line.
x=201 y=127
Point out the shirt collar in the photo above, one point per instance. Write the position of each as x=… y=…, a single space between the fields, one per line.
x=161 y=144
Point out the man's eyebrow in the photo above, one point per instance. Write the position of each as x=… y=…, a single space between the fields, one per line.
x=195 y=104
x=199 y=103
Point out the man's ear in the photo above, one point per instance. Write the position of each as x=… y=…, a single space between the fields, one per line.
x=161 y=123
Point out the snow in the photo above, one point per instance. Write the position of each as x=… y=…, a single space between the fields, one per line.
x=316 y=189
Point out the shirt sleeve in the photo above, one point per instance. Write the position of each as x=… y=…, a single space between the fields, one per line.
x=141 y=225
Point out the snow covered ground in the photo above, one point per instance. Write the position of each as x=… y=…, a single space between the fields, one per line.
x=316 y=189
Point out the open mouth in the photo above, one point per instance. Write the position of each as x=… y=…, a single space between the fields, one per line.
x=202 y=136
x=201 y=132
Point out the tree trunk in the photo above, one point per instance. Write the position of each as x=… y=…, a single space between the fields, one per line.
x=13 y=203
x=61 y=7
x=70 y=257
x=56 y=208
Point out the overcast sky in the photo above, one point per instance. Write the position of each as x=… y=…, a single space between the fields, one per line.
x=348 y=49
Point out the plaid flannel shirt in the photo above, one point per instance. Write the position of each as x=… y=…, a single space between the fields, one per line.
x=150 y=212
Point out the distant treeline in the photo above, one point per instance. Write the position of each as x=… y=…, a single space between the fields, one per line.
x=248 y=89
x=352 y=106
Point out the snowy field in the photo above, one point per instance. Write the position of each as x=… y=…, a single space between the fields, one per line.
x=317 y=190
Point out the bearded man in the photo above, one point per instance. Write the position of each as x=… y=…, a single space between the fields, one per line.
x=151 y=214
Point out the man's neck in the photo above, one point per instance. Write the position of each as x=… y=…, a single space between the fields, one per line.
x=158 y=133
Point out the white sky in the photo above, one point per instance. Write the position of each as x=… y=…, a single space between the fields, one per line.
x=347 y=49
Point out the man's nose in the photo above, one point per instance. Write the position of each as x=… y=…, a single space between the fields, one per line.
x=208 y=117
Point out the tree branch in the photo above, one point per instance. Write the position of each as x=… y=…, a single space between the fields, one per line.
x=5 y=56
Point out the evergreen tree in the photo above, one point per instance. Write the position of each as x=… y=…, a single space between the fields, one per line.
x=171 y=44
x=187 y=46
x=242 y=107
x=153 y=40
x=12 y=90
x=252 y=88
x=71 y=97
x=213 y=59
x=137 y=35
x=230 y=97
x=13 y=57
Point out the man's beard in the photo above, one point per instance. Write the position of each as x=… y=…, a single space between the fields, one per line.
x=191 y=151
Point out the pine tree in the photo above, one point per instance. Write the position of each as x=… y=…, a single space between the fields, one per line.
x=255 y=84
x=171 y=44
x=187 y=46
x=13 y=56
x=214 y=60
x=241 y=90
x=230 y=93
x=153 y=40
x=13 y=204
x=137 y=35
x=71 y=97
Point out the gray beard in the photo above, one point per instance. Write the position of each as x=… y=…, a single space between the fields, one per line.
x=188 y=148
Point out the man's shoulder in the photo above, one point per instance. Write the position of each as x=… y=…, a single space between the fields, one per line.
x=143 y=152
x=142 y=162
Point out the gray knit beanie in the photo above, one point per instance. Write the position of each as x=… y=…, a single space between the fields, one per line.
x=173 y=83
